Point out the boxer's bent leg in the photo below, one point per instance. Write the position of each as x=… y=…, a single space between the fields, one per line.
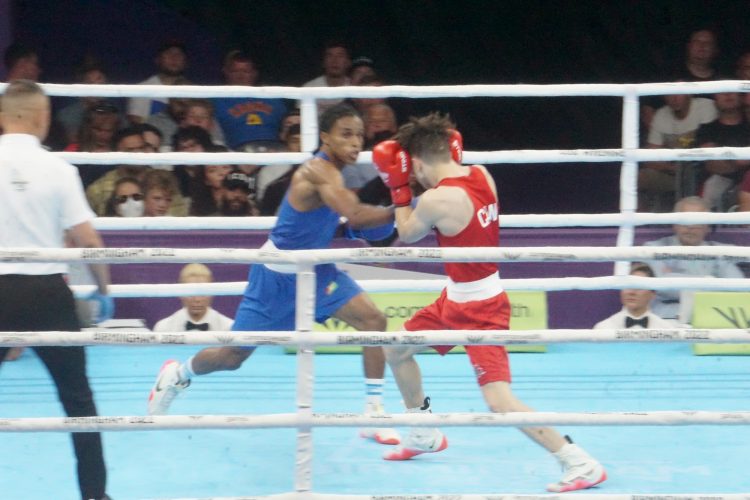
x=267 y=305
x=361 y=313
x=401 y=358
x=214 y=359
x=340 y=296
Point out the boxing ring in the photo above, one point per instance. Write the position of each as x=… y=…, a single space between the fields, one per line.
x=277 y=403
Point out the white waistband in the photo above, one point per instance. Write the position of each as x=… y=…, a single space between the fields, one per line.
x=279 y=268
x=469 y=291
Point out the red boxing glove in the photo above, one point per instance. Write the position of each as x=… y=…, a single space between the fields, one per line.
x=394 y=167
x=456 y=142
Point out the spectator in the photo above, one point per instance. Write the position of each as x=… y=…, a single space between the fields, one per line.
x=275 y=192
x=190 y=139
x=293 y=139
x=743 y=67
x=635 y=312
x=169 y=118
x=380 y=124
x=697 y=66
x=200 y=113
x=743 y=198
x=729 y=129
x=336 y=63
x=97 y=129
x=153 y=138
x=247 y=121
x=196 y=312
x=22 y=63
x=667 y=302
x=238 y=196
x=96 y=136
x=126 y=199
x=362 y=67
x=673 y=127
x=292 y=118
x=130 y=140
x=171 y=61
x=206 y=188
x=745 y=96
x=160 y=189
x=361 y=104
x=700 y=58
x=73 y=116
x=268 y=174
x=271 y=193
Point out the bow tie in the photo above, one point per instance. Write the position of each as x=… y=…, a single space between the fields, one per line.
x=196 y=326
x=632 y=322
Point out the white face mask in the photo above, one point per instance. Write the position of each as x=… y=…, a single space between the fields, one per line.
x=131 y=208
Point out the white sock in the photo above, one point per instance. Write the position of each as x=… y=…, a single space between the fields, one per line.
x=572 y=454
x=185 y=371
x=374 y=391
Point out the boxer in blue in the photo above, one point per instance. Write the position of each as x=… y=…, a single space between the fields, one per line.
x=308 y=219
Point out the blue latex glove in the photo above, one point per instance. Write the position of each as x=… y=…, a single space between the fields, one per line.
x=105 y=306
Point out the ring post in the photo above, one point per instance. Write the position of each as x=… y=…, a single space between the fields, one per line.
x=305 y=311
x=309 y=125
x=628 y=176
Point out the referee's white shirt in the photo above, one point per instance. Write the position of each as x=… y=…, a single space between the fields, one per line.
x=41 y=196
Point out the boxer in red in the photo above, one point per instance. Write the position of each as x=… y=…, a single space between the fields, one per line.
x=460 y=204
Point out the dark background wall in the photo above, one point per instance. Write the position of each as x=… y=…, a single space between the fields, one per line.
x=420 y=42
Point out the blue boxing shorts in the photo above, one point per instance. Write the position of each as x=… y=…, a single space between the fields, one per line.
x=268 y=303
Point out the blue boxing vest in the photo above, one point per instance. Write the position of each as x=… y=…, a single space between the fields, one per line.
x=295 y=230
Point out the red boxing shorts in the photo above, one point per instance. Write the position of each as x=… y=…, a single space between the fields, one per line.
x=490 y=362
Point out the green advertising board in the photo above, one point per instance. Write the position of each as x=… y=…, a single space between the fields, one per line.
x=528 y=312
x=721 y=310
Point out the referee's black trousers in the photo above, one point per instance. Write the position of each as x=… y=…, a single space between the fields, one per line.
x=45 y=303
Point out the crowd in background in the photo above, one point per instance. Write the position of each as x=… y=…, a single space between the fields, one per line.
x=250 y=124
x=244 y=124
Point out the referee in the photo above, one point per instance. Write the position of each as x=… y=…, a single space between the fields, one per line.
x=41 y=197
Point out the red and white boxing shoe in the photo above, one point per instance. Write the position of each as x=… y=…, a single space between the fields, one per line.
x=580 y=470
x=377 y=434
x=418 y=441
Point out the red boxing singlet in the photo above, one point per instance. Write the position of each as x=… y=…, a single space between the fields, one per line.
x=482 y=231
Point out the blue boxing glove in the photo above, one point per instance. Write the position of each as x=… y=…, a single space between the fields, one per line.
x=377 y=233
x=105 y=307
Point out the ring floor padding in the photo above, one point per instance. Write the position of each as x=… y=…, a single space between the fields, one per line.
x=205 y=463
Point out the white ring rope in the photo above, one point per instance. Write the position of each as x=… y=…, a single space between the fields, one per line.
x=117 y=158
x=488 y=157
x=410 y=91
x=376 y=254
x=435 y=285
x=421 y=337
x=293 y=420
x=527 y=220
